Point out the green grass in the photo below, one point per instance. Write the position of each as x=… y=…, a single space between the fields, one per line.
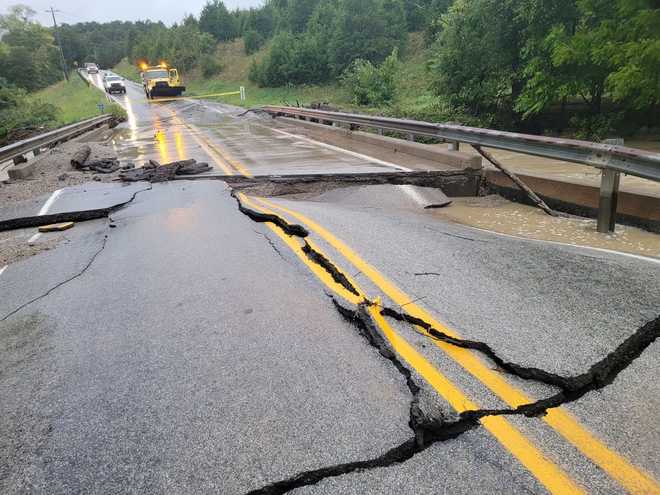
x=256 y=96
x=75 y=101
x=128 y=71
x=412 y=97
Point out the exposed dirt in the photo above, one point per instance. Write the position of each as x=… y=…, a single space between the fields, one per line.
x=14 y=246
x=54 y=171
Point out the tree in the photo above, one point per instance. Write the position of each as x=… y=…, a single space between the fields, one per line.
x=216 y=20
x=373 y=85
x=29 y=58
x=361 y=31
x=475 y=62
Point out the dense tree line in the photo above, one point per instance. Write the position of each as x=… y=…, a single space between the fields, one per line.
x=525 y=56
x=492 y=62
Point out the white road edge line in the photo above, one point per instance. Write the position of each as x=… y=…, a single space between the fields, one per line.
x=3 y=269
x=559 y=243
x=327 y=146
x=44 y=209
x=407 y=189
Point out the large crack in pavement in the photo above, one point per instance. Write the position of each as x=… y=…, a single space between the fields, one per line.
x=259 y=217
x=526 y=373
x=336 y=274
x=426 y=430
x=60 y=284
x=67 y=216
x=106 y=213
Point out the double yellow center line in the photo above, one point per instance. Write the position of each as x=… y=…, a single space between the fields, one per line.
x=633 y=479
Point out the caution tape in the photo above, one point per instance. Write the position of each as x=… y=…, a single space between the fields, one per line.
x=232 y=93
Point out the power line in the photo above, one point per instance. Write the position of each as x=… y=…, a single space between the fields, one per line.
x=59 y=43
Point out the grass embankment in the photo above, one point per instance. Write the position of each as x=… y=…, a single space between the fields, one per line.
x=234 y=74
x=75 y=101
x=127 y=71
x=412 y=82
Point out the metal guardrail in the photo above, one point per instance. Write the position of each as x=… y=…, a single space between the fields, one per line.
x=611 y=159
x=34 y=144
x=619 y=158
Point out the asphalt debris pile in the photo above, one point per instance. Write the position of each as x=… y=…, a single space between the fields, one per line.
x=152 y=171
x=80 y=161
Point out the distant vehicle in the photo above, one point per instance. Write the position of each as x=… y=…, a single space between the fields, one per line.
x=91 y=68
x=114 y=84
x=161 y=80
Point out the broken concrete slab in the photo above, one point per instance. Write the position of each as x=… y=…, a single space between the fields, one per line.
x=385 y=196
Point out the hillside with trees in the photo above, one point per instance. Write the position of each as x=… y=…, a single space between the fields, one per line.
x=586 y=67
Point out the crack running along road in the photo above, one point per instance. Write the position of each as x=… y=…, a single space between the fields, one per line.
x=599 y=375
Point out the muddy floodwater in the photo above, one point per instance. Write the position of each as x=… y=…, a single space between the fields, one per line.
x=503 y=216
x=573 y=172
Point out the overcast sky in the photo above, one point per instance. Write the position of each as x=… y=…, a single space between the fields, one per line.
x=73 y=11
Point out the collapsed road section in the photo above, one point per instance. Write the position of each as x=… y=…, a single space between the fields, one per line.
x=292 y=400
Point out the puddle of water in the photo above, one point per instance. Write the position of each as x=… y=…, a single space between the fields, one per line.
x=571 y=172
x=500 y=215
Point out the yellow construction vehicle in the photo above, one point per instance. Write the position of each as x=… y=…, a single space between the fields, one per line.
x=161 y=80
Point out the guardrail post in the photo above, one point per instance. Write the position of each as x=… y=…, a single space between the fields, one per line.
x=411 y=137
x=609 y=193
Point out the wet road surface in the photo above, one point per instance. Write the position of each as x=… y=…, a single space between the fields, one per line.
x=185 y=346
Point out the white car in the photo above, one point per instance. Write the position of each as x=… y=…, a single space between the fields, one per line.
x=92 y=68
x=114 y=84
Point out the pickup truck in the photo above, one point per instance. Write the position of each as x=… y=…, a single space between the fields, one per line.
x=114 y=84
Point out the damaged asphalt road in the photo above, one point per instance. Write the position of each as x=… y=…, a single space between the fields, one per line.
x=178 y=352
x=427 y=431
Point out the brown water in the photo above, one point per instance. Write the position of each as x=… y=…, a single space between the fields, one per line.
x=500 y=215
x=573 y=172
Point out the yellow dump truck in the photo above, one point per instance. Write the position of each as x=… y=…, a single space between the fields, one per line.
x=161 y=80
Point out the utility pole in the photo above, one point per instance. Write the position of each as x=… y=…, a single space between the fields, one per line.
x=59 y=43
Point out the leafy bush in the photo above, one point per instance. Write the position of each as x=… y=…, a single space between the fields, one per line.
x=291 y=60
x=595 y=127
x=253 y=41
x=19 y=112
x=211 y=66
x=371 y=85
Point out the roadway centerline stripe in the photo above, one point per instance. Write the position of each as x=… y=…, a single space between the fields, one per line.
x=633 y=479
x=221 y=157
x=219 y=161
x=546 y=471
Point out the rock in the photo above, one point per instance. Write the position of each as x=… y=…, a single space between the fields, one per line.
x=128 y=166
x=80 y=156
x=63 y=177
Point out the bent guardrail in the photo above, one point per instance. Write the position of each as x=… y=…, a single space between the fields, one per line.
x=36 y=143
x=611 y=159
